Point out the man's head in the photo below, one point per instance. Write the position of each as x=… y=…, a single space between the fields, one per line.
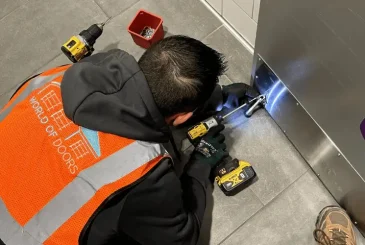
x=182 y=73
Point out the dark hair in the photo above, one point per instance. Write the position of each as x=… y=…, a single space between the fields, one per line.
x=181 y=72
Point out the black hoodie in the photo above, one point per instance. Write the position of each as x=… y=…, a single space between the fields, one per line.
x=108 y=92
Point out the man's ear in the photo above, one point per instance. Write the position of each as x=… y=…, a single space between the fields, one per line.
x=181 y=118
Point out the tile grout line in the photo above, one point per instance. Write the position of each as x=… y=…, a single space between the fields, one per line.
x=253 y=215
x=102 y=10
x=35 y=70
x=229 y=27
x=230 y=234
x=225 y=74
x=30 y=74
x=253 y=9
x=121 y=12
x=49 y=61
x=11 y=12
x=243 y=9
x=25 y=3
x=209 y=34
x=240 y=81
x=3 y=93
x=263 y=205
x=277 y=196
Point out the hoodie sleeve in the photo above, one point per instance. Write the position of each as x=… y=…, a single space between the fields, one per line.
x=215 y=101
x=210 y=107
x=164 y=209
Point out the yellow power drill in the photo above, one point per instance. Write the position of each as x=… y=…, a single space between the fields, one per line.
x=231 y=175
x=82 y=45
x=196 y=132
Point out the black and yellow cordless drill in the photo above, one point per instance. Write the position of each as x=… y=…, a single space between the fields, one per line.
x=82 y=45
x=231 y=175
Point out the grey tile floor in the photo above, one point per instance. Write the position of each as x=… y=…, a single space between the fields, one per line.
x=279 y=208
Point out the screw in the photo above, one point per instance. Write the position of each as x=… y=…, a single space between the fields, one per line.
x=147 y=32
x=284 y=131
x=256 y=77
x=355 y=222
x=318 y=175
x=338 y=154
x=297 y=103
x=259 y=58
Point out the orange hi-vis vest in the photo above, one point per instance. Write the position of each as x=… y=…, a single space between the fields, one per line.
x=55 y=174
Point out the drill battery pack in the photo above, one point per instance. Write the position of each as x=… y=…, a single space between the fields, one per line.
x=233 y=175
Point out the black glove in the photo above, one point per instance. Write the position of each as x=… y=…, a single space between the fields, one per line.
x=236 y=94
x=211 y=149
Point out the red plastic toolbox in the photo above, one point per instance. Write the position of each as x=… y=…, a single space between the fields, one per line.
x=142 y=20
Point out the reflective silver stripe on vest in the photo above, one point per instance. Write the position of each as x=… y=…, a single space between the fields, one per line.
x=35 y=83
x=83 y=188
x=11 y=233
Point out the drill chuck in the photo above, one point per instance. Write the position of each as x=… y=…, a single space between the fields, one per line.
x=91 y=34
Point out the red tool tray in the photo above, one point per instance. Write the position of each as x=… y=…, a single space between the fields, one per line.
x=146 y=19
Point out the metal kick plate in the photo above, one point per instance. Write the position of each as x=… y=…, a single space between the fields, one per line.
x=332 y=168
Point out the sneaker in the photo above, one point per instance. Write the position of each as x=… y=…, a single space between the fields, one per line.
x=334 y=227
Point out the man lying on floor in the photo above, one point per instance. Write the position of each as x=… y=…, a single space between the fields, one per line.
x=82 y=154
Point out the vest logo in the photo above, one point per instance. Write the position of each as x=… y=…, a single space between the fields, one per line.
x=73 y=143
x=87 y=141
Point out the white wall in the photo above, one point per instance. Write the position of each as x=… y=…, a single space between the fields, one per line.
x=242 y=15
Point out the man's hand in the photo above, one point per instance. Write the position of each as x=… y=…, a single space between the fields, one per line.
x=211 y=149
x=236 y=94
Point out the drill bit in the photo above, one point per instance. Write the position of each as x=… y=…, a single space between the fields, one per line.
x=231 y=112
x=260 y=99
x=104 y=23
